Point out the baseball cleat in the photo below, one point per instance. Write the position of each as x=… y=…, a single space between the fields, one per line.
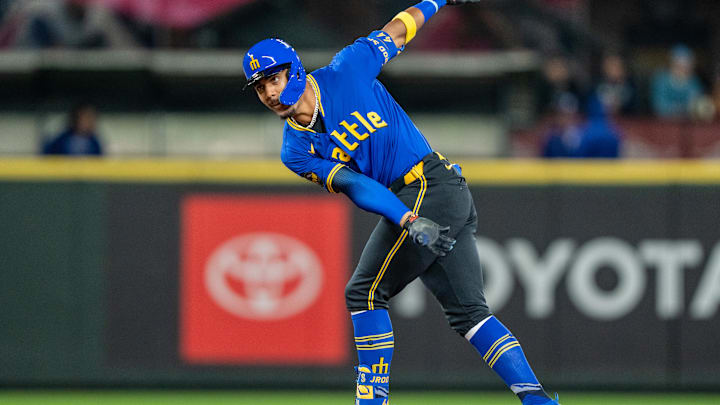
x=538 y=400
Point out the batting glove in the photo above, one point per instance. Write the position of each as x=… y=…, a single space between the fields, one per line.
x=426 y=232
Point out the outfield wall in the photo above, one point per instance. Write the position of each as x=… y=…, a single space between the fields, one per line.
x=195 y=274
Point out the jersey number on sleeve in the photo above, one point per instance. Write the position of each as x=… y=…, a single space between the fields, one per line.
x=372 y=118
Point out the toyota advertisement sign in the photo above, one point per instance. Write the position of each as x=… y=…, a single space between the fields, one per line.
x=262 y=280
x=539 y=274
x=603 y=285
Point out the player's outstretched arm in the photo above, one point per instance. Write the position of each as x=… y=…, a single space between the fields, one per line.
x=403 y=27
x=372 y=196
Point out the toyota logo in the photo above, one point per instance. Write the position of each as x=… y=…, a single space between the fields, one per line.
x=263 y=276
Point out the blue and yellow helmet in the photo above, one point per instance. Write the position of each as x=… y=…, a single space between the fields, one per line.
x=270 y=56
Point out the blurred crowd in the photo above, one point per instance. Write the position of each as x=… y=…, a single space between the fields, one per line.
x=494 y=24
x=596 y=70
x=582 y=117
x=42 y=24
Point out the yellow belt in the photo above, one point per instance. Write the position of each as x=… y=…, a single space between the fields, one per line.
x=414 y=173
x=417 y=170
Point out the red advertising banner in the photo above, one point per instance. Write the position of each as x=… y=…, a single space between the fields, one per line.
x=262 y=280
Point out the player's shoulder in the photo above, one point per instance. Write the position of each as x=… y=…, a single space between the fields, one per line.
x=323 y=77
x=292 y=131
x=296 y=146
x=348 y=56
x=295 y=137
x=322 y=73
x=291 y=142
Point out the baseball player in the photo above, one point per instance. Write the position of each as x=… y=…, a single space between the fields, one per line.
x=345 y=132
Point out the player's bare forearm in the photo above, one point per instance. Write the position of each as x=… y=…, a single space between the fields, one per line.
x=405 y=217
x=397 y=29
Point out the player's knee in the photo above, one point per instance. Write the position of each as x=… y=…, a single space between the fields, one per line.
x=353 y=297
x=474 y=315
x=482 y=312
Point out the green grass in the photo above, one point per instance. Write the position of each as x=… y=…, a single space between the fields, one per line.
x=329 y=398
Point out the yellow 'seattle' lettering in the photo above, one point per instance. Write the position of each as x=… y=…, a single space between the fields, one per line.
x=343 y=140
x=363 y=121
x=376 y=119
x=351 y=129
x=339 y=154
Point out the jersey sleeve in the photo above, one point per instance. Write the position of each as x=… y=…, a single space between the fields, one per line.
x=369 y=195
x=366 y=56
x=298 y=155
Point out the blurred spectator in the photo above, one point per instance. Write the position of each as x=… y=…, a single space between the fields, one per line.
x=616 y=90
x=599 y=138
x=79 y=138
x=557 y=83
x=675 y=90
x=569 y=138
x=63 y=23
x=563 y=138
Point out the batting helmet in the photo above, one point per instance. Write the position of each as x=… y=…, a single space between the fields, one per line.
x=270 y=56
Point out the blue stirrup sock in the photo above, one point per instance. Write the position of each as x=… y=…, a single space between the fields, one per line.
x=374 y=342
x=502 y=352
x=430 y=7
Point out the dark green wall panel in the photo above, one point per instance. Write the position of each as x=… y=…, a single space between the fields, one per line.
x=52 y=249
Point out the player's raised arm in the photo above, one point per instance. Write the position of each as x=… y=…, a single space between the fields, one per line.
x=403 y=27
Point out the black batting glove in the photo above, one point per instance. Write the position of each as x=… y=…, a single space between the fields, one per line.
x=426 y=232
x=461 y=2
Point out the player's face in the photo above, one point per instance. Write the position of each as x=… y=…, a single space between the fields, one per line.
x=268 y=90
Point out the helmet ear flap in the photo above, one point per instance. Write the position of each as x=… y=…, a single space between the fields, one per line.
x=296 y=83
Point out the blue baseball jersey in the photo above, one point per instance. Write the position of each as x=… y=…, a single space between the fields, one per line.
x=366 y=129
